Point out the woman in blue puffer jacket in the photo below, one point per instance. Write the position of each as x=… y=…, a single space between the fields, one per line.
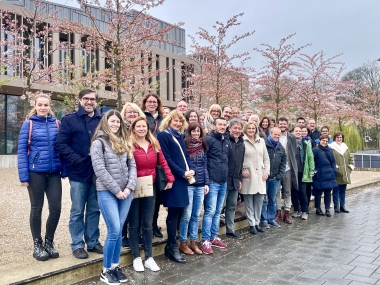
x=40 y=169
x=324 y=177
x=197 y=149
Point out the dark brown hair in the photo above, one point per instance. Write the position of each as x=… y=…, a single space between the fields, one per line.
x=193 y=126
x=261 y=123
x=324 y=137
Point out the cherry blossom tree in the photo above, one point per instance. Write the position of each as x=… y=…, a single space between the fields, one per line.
x=215 y=76
x=27 y=46
x=278 y=80
x=124 y=40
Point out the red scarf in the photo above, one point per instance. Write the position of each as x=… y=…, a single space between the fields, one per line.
x=195 y=146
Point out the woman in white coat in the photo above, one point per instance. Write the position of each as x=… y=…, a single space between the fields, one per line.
x=255 y=173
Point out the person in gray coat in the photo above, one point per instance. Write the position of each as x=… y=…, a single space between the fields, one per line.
x=115 y=169
x=289 y=142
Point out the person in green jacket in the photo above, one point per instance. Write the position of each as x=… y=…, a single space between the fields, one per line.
x=305 y=161
x=345 y=164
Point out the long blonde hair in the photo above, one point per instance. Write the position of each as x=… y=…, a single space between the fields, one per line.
x=120 y=141
x=149 y=137
x=134 y=107
x=166 y=122
x=34 y=111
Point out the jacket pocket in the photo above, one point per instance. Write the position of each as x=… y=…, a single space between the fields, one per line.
x=34 y=157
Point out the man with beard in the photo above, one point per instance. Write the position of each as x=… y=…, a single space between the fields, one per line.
x=73 y=144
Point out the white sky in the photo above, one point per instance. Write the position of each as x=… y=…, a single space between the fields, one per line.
x=351 y=27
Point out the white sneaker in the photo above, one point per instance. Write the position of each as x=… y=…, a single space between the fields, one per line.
x=138 y=265
x=151 y=264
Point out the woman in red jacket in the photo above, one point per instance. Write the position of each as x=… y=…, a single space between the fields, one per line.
x=147 y=150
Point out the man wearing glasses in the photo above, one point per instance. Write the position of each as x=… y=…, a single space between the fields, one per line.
x=73 y=144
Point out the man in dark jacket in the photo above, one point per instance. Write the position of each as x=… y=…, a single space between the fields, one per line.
x=315 y=133
x=217 y=164
x=234 y=179
x=289 y=142
x=277 y=157
x=73 y=144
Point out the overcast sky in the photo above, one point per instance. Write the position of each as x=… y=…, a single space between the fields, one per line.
x=351 y=27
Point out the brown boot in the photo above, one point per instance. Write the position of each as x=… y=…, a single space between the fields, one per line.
x=278 y=216
x=185 y=249
x=287 y=218
x=194 y=247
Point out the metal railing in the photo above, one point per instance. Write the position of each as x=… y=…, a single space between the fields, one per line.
x=365 y=160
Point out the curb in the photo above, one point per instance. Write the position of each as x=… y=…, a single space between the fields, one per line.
x=92 y=268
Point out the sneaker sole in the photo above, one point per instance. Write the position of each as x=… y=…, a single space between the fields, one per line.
x=106 y=281
x=219 y=246
x=152 y=269
x=138 y=270
x=207 y=252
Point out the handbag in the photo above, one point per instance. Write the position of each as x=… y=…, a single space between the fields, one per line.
x=144 y=187
x=161 y=179
x=190 y=180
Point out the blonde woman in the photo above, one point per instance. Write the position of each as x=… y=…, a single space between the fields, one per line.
x=256 y=170
x=40 y=170
x=130 y=112
x=176 y=198
x=213 y=113
x=115 y=169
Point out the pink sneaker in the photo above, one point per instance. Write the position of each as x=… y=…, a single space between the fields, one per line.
x=206 y=247
x=217 y=242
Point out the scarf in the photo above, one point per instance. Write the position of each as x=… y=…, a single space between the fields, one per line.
x=307 y=138
x=174 y=133
x=341 y=149
x=155 y=115
x=195 y=146
x=273 y=143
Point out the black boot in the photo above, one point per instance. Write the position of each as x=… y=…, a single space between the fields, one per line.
x=156 y=232
x=328 y=214
x=39 y=252
x=172 y=252
x=336 y=209
x=319 y=212
x=49 y=247
x=343 y=209
x=252 y=230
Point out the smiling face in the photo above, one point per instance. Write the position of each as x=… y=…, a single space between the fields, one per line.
x=176 y=123
x=275 y=134
x=227 y=113
x=324 y=142
x=196 y=133
x=193 y=118
x=251 y=130
x=182 y=107
x=220 y=126
x=339 y=139
x=151 y=104
x=130 y=114
x=297 y=132
x=265 y=123
x=283 y=125
x=114 y=123
x=215 y=113
x=140 y=129
x=42 y=106
x=88 y=102
x=304 y=132
x=235 y=130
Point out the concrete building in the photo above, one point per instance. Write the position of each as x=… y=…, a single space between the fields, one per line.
x=11 y=104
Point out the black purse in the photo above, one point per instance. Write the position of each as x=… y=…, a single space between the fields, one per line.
x=161 y=179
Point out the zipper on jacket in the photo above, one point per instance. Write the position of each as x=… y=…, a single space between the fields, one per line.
x=49 y=145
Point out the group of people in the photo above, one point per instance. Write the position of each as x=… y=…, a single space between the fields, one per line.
x=211 y=160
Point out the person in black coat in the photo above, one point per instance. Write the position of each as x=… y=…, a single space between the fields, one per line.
x=324 y=178
x=177 y=197
x=73 y=144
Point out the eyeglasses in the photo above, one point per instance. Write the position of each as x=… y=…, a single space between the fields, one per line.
x=131 y=112
x=324 y=141
x=86 y=99
x=215 y=111
x=338 y=137
x=151 y=102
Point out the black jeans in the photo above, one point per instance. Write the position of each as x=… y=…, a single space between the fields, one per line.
x=299 y=197
x=308 y=192
x=171 y=223
x=39 y=184
x=156 y=208
x=141 y=208
x=318 y=195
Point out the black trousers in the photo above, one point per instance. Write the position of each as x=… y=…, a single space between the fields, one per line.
x=171 y=223
x=39 y=184
x=141 y=213
x=318 y=195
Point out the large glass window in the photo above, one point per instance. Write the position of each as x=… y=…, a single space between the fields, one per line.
x=2 y=123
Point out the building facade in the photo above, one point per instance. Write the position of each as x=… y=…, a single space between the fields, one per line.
x=170 y=56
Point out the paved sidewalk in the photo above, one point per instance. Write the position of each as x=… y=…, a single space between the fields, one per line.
x=15 y=237
x=343 y=249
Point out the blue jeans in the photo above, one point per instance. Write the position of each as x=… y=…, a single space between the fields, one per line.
x=214 y=201
x=268 y=213
x=339 y=195
x=115 y=212
x=83 y=196
x=191 y=213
